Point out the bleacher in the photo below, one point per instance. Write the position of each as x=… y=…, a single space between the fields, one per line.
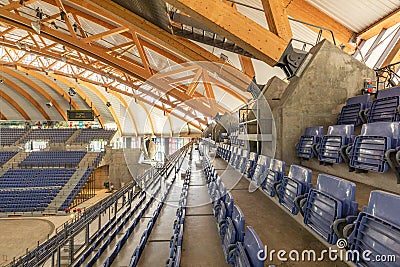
x=30 y=190
x=88 y=135
x=6 y=156
x=52 y=135
x=53 y=159
x=8 y=136
x=329 y=209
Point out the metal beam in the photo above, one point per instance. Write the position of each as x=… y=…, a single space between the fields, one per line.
x=388 y=49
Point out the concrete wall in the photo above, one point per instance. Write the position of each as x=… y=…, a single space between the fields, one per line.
x=123 y=165
x=314 y=98
x=101 y=176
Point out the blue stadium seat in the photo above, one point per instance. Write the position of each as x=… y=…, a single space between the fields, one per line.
x=351 y=113
x=377 y=229
x=251 y=165
x=261 y=169
x=369 y=148
x=311 y=137
x=331 y=199
x=234 y=233
x=247 y=253
x=386 y=106
x=242 y=162
x=297 y=183
x=275 y=173
x=337 y=138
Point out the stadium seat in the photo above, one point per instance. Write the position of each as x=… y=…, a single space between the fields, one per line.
x=331 y=199
x=369 y=148
x=250 y=165
x=297 y=183
x=352 y=112
x=386 y=106
x=311 y=137
x=333 y=144
x=234 y=233
x=377 y=229
x=275 y=173
x=247 y=253
x=260 y=171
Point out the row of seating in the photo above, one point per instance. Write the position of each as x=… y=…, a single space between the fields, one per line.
x=53 y=159
x=88 y=135
x=6 y=156
x=27 y=200
x=78 y=187
x=370 y=151
x=359 y=109
x=330 y=206
x=8 y=136
x=241 y=246
x=31 y=178
x=176 y=240
x=51 y=135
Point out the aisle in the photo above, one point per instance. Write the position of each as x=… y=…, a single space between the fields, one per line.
x=201 y=241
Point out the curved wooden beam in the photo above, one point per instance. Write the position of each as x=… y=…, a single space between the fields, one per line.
x=28 y=97
x=104 y=99
x=51 y=84
x=38 y=89
x=14 y=104
x=125 y=104
x=148 y=116
x=80 y=93
x=2 y=116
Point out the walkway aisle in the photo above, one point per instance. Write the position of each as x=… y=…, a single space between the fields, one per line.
x=201 y=242
x=276 y=228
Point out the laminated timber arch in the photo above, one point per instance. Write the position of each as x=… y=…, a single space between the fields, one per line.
x=14 y=104
x=80 y=93
x=24 y=94
x=37 y=88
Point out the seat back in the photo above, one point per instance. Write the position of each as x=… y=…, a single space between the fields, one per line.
x=237 y=158
x=229 y=202
x=250 y=165
x=238 y=221
x=252 y=245
x=385 y=106
x=369 y=148
x=262 y=166
x=276 y=172
x=331 y=143
x=241 y=165
x=350 y=112
x=234 y=231
x=298 y=182
x=333 y=198
x=377 y=228
x=312 y=136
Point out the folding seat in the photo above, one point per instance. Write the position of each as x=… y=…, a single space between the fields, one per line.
x=250 y=165
x=241 y=165
x=260 y=171
x=311 y=137
x=247 y=253
x=233 y=156
x=225 y=211
x=386 y=106
x=333 y=144
x=296 y=184
x=377 y=229
x=234 y=233
x=275 y=173
x=331 y=199
x=369 y=148
x=352 y=112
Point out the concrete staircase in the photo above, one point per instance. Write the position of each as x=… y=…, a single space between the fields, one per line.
x=88 y=160
x=22 y=137
x=73 y=136
x=59 y=199
x=14 y=161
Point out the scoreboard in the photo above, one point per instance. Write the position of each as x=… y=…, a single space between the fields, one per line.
x=80 y=115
